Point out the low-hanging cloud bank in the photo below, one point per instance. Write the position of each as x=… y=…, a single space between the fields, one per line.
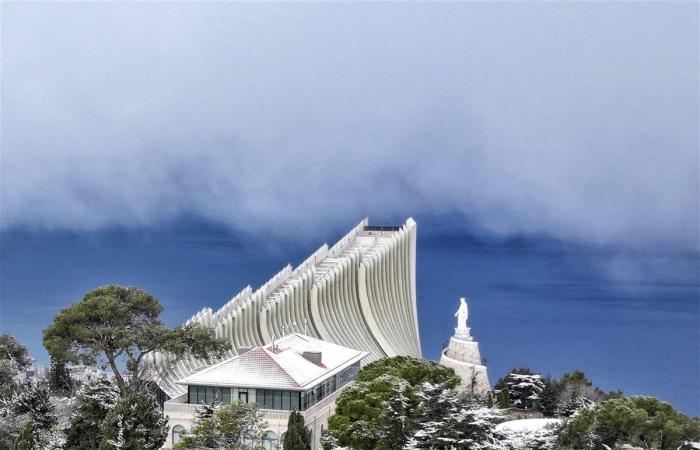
x=577 y=120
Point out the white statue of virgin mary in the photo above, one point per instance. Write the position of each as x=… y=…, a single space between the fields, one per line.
x=462 y=314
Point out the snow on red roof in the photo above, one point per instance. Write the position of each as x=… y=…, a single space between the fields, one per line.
x=278 y=366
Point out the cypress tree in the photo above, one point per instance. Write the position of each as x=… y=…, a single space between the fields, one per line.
x=549 y=398
x=59 y=379
x=504 y=398
x=297 y=437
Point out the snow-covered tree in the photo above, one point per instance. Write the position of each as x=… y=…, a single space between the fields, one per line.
x=524 y=389
x=638 y=421
x=235 y=427
x=33 y=401
x=445 y=419
x=134 y=423
x=360 y=419
x=576 y=392
x=92 y=404
x=27 y=418
x=395 y=418
x=14 y=358
x=549 y=397
x=545 y=438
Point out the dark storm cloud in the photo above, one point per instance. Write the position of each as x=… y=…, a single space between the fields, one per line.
x=575 y=120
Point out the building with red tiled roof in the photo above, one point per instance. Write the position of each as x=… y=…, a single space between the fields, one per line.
x=294 y=373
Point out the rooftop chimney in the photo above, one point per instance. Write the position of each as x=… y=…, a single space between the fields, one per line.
x=314 y=357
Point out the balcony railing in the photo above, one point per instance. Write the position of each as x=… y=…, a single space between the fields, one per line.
x=179 y=407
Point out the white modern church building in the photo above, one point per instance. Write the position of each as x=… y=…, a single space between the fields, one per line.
x=346 y=305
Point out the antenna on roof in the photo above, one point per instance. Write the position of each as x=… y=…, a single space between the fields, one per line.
x=273 y=342
x=306 y=327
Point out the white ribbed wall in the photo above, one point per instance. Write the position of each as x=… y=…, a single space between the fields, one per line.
x=360 y=293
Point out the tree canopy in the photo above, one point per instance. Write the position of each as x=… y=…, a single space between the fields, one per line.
x=134 y=423
x=381 y=409
x=93 y=402
x=116 y=323
x=13 y=358
x=641 y=421
x=235 y=426
x=414 y=370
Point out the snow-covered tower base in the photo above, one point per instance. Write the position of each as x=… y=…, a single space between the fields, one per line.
x=463 y=356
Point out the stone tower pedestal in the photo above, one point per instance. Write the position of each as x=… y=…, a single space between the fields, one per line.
x=462 y=355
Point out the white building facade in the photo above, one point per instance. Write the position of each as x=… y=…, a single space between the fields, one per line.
x=360 y=293
x=295 y=373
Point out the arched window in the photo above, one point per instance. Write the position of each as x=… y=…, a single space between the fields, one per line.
x=270 y=440
x=178 y=431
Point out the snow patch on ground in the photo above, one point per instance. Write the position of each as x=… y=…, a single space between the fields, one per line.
x=526 y=425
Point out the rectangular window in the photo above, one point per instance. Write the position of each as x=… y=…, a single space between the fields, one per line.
x=200 y=394
x=294 y=401
x=286 y=400
x=260 y=398
x=209 y=398
x=309 y=399
x=277 y=400
x=226 y=396
x=191 y=394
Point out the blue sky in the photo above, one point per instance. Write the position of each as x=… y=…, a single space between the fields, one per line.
x=278 y=126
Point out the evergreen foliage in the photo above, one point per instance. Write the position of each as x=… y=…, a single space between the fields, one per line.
x=60 y=382
x=395 y=419
x=205 y=411
x=298 y=436
x=134 y=423
x=503 y=397
x=28 y=438
x=387 y=412
x=236 y=426
x=93 y=402
x=358 y=420
x=638 y=421
x=33 y=401
x=546 y=438
x=115 y=322
x=414 y=370
x=524 y=390
x=447 y=420
x=576 y=391
x=549 y=398
x=14 y=358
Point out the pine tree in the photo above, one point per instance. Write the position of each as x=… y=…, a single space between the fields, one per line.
x=94 y=401
x=503 y=398
x=395 y=417
x=447 y=420
x=59 y=379
x=134 y=423
x=33 y=401
x=524 y=389
x=549 y=398
x=297 y=437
